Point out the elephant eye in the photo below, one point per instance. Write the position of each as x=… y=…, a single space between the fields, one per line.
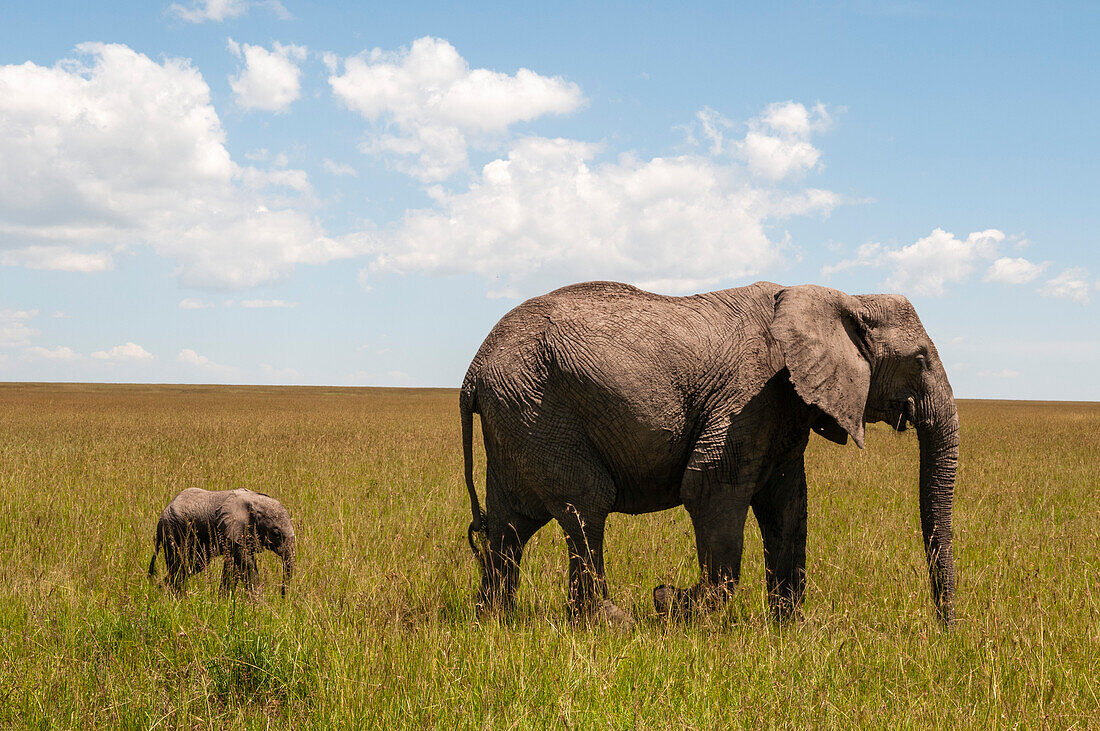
x=922 y=361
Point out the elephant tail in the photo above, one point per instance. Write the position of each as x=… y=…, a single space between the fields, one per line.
x=467 y=404
x=153 y=560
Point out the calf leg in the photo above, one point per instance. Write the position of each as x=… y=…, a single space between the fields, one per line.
x=176 y=568
x=249 y=573
x=239 y=566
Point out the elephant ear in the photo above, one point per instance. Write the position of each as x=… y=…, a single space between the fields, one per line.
x=821 y=333
x=235 y=519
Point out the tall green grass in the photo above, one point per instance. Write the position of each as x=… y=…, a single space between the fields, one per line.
x=379 y=627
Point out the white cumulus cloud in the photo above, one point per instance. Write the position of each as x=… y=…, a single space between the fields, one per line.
x=189 y=357
x=270 y=80
x=339 y=168
x=61 y=352
x=929 y=264
x=777 y=144
x=114 y=150
x=1009 y=270
x=255 y=304
x=429 y=104
x=278 y=375
x=547 y=214
x=201 y=11
x=58 y=258
x=14 y=330
x=127 y=352
x=1072 y=284
x=191 y=303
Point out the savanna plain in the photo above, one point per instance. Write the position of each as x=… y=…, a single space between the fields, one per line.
x=379 y=628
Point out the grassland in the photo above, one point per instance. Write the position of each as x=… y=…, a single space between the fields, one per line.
x=379 y=629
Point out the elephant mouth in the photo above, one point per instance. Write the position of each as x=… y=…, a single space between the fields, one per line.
x=904 y=414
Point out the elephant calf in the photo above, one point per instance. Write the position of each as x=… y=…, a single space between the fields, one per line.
x=199 y=525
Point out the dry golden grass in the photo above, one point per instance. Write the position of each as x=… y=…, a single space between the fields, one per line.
x=379 y=629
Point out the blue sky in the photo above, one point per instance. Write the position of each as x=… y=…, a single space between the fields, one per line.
x=266 y=192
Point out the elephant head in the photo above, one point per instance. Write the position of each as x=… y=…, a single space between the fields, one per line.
x=868 y=358
x=264 y=523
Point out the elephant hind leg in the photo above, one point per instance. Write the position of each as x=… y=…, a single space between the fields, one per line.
x=588 y=595
x=554 y=472
x=501 y=557
x=176 y=569
x=507 y=532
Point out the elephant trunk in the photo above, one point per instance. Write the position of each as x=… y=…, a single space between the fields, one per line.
x=288 y=565
x=938 y=435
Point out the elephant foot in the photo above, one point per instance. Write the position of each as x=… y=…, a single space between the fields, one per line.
x=610 y=614
x=785 y=611
x=493 y=606
x=606 y=613
x=673 y=603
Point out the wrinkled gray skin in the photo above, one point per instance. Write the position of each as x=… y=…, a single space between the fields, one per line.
x=199 y=525
x=600 y=398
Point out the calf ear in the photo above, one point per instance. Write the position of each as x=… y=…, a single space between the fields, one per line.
x=235 y=520
x=821 y=333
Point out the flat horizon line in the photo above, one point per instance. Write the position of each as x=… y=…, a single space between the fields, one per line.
x=406 y=388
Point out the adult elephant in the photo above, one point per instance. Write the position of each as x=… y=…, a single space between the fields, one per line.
x=600 y=398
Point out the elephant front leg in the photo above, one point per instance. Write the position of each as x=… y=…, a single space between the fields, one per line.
x=239 y=566
x=250 y=574
x=718 y=511
x=229 y=576
x=780 y=510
